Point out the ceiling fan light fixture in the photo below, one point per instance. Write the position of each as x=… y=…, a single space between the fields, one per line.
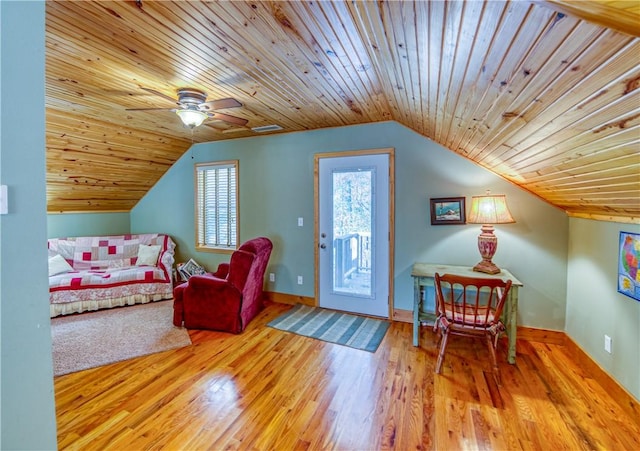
x=192 y=118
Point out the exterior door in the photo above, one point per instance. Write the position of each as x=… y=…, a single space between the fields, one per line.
x=353 y=230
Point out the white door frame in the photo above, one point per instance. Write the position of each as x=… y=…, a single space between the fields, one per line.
x=316 y=199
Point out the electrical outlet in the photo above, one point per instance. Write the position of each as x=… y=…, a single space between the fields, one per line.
x=272 y=277
x=607 y=343
x=299 y=280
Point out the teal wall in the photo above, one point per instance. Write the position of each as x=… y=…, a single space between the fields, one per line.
x=595 y=308
x=276 y=187
x=87 y=224
x=27 y=418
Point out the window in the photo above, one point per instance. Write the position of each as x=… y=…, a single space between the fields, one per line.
x=216 y=203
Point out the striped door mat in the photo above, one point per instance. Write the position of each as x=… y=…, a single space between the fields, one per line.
x=359 y=332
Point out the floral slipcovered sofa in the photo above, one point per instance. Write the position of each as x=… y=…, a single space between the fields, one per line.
x=91 y=273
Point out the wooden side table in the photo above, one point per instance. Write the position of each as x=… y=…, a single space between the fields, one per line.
x=423 y=276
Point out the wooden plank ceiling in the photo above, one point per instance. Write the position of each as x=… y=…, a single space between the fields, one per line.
x=544 y=94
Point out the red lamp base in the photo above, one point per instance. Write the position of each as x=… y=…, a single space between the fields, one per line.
x=487 y=267
x=487 y=245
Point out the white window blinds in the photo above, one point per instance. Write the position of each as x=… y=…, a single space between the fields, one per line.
x=217 y=205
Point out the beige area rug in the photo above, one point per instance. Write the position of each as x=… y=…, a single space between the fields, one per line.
x=91 y=339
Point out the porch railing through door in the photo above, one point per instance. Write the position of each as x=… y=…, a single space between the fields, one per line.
x=352 y=256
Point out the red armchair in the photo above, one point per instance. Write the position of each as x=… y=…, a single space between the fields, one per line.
x=228 y=299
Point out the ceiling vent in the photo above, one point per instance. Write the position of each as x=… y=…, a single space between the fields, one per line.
x=266 y=128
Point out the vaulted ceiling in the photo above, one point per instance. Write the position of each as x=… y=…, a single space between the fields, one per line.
x=544 y=93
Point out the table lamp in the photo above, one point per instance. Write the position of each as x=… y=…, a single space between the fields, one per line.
x=488 y=210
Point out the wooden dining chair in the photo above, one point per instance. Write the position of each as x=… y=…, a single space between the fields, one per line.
x=470 y=306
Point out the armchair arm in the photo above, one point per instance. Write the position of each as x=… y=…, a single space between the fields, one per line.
x=207 y=290
x=222 y=272
x=211 y=303
x=205 y=281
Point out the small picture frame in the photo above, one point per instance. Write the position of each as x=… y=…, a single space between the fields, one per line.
x=447 y=211
x=191 y=268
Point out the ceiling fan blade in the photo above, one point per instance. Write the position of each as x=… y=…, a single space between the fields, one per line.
x=229 y=119
x=149 y=109
x=219 y=104
x=158 y=93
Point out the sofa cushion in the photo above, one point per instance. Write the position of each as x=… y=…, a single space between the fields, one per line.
x=58 y=265
x=148 y=255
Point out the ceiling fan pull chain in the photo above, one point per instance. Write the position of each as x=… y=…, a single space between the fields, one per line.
x=192 y=143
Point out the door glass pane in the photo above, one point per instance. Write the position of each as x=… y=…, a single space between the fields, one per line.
x=352 y=228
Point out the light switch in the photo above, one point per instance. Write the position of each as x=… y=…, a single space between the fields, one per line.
x=4 y=200
x=300 y=222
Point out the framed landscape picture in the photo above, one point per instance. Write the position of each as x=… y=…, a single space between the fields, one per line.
x=447 y=210
x=629 y=254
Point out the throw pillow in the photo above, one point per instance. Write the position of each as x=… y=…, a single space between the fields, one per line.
x=58 y=265
x=148 y=255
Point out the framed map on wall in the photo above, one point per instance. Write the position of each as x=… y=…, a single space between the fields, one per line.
x=628 y=274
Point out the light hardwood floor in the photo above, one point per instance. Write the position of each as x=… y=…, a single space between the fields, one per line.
x=270 y=390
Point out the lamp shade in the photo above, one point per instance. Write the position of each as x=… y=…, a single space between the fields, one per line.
x=192 y=118
x=489 y=209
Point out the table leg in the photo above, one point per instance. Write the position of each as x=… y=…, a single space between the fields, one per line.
x=512 y=325
x=416 y=310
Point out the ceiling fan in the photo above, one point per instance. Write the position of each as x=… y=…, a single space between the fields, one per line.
x=193 y=107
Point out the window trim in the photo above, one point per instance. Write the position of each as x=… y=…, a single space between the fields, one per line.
x=197 y=219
